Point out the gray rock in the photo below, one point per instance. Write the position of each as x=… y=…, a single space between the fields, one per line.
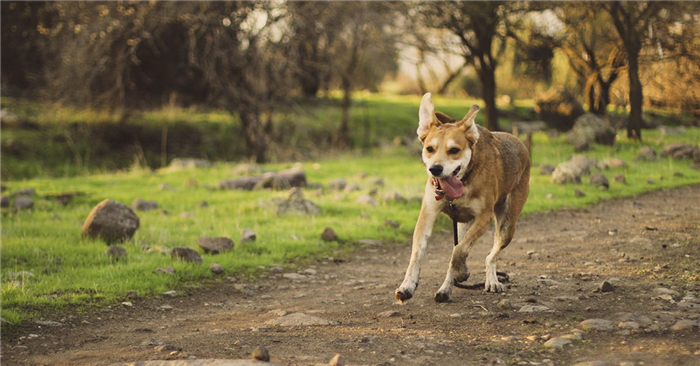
x=299 y=319
x=116 y=252
x=376 y=181
x=628 y=325
x=388 y=314
x=295 y=193
x=620 y=178
x=24 y=203
x=260 y=353
x=329 y=234
x=597 y=324
x=111 y=221
x=572 y=170
x=23 y=192
x=650 y=180
x=49 y=323
x=546 y=169
x=187 y=215
x=504 y=304
x=202 y=204
x=247 y=169
x=558 y=108
x=579 y=193
x=187 y=163
x=298 y=207
x=216 y=268
x=599 y=180
x=593 y=363
x=168 y=271
x=588 y=129
x=143 y=205
x=606 y=286
x=646 y=154
x=681 y=151
x=248 y=236
x=191 y=183
x=666 y=291
x=370 y=242
x=337 y=184
x=171 y=293
x=392 y=223
x=337 y=360
x=215 y=245
x=367 y=200
x=285 y=179
x=200 y=362
x=165 y=187
x=294 y=276
x=534 y=309
x=186 y=254
x=352 y=187
x=642 y=320
x=394 y=197
x=612 y=163
x=683 y=325
x=557 y=342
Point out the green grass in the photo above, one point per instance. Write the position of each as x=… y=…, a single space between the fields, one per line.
x=70 y=271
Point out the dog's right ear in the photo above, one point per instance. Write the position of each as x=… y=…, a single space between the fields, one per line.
x=426 y=117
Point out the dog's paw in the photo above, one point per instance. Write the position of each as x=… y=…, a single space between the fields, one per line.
x=494 y=286
x=402 y=295
x=442 y=297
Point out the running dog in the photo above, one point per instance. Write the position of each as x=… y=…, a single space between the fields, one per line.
x=474 y=176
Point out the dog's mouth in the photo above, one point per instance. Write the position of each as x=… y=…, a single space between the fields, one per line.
x=450 y=185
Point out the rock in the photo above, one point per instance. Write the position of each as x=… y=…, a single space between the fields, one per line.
x=337 y=184
x=171 y=293
x=310 y=271
x=191 y=183
x=612 y=163
x=116 y=252
x=215 y=245
x=394 y=197
x=187 y=215
x=294 y=276
x=65 y=197
x=202 y=204
x=678 y=174
x=352 y=187
x=142 y=205
x=247 y=169
x=329 y=235
x=49 y=323
x=558 y=108
x=367 y=200
x=588 y=129
x=597 y=324
x=546 y=169
x=642 y=320
x=659 y=291
x=187 y=163
x=111 y=221
x=216 y=268
x=628 y=325
x=557 y=342
x=683 y=325
x=620 y=178
x=244 y=183
x=168 y=271
x=646 y=154
x=650 y=181
x=388 y=314
x=370 y=242
x=23 y=203
x=681 y=151
x=285 y=179
x=186 y=254
x=260 y=353
x=337 y=360
x=593 y=363
x=376 y=181
x=504 y=304
x=606 y=286
x=248 y=236
x=299 y=319
x=23 y=192
x=534 y=309
x=295 y=193
x=566 y=173
x=165 y=187
x=298 y=207
x=579 y=193
x=392 y=223
x=599 y=180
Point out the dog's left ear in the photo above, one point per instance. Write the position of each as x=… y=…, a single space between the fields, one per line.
x=468 y=125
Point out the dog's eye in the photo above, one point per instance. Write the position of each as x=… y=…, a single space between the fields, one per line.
x=430 y=149
x=453 y=151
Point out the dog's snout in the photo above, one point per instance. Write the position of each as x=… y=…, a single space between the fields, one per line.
x=436 y=170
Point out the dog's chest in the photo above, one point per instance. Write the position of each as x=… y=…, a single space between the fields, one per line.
x=463 y=210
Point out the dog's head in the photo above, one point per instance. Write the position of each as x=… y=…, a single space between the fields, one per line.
x=447 y=145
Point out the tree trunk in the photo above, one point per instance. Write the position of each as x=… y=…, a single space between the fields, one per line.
x=590 y=94
x=634 y=127
x=344 y=130
x=603 y=98
x=488 y=93
x=254 y=135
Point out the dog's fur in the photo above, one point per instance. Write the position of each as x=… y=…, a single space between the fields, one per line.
x=495 y=170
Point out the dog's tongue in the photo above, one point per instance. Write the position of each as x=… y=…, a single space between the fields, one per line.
x=452 y=186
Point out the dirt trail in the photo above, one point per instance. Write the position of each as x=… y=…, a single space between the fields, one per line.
x=638 y=244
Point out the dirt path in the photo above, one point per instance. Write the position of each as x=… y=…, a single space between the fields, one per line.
x=639 y=245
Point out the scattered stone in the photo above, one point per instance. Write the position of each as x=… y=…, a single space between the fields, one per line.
x=295 y=193
x=187 y=163
x=49 y=323
x=187 y=215
x=171 y=293
x=388 y=314
x=612 y=163
x=310 y=271
x=394 y=197
x=24 y=203
x=248 y=236
x=681 y=151
x=337 y=360
x=329 y=235
x=367 y=200
x=590 y=128
x=23 y=192
x=247 y=169
x=165 y=187
x=160 y=249
x=294 y=276
x=299 y=206
x=628 y=325
x=168 y=271
x=216 y=268
x=597 y=324
x=370 y=242
x=376 y=181
x=592 y=363
x=202 y=204
x=659 y=291
x=557 y=342
x=606 y=287
x=285 y=179
x=534 y=309
x=650 y=181
x=683 y=325
x=191 y=183
x=646 y=154
x=111 y=221
x=116 y=252
x=337 y=184
x=127 y=303
x=186 y=254
x=620 y=178
x=546 y=169
x=504 y=304
x=142 y=205
x=392 y=223
x=599 y=180
x=215 y=245
x=579 y=193
x=260 y=353
x=132 y=295
x=352 y=187
x=299 y=319
x=678 y=174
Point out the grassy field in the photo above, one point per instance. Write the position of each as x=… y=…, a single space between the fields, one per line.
x=67 y=270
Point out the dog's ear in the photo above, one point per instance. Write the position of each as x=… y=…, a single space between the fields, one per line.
x=426 y=117
x=468 y=125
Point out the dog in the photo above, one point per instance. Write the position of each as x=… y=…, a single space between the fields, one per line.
x=483 y=176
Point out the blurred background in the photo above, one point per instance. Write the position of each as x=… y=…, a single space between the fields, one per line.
x=100 y=86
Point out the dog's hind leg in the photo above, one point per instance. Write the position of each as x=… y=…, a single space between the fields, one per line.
x=446 y=289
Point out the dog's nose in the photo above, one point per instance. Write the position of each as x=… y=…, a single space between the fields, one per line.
x=436 y=170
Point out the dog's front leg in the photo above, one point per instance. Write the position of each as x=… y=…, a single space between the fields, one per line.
x=424 y=228
x=458 y=271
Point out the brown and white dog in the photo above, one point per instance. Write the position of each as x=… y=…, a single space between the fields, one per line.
x=485 y=175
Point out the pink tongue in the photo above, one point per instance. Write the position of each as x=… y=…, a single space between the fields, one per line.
x=452 y=186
